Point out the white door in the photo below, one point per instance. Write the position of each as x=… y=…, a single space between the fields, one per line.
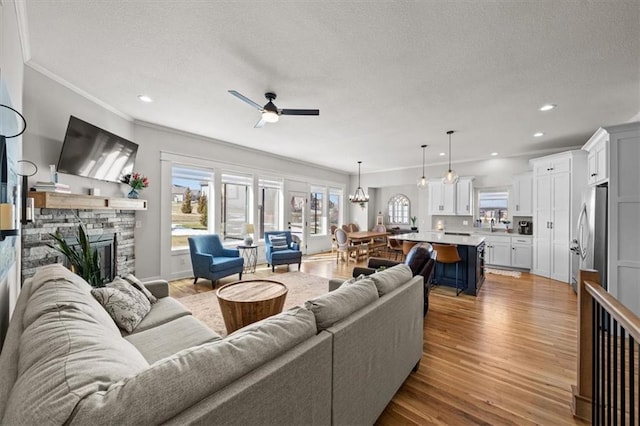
x=297 y=220
x=560 y=227
x=524 y=200
x=541 y=226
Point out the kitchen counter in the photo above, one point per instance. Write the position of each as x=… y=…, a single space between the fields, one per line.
x=471 y=266
x=440 y=237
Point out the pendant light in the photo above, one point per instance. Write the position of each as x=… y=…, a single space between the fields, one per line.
x=422 y=182
x=359 y=197
x=450 y=177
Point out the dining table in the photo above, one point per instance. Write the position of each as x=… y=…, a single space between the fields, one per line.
x=365 y=238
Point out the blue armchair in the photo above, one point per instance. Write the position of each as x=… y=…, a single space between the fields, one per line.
x=281 y=254
x=212 y=261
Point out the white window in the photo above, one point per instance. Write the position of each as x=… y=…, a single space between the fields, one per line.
x=235 y=200
x=493 y=205
x=316 y=211
x=335 y=206
x=270 y=207
x=399 y=209
x=191 y=203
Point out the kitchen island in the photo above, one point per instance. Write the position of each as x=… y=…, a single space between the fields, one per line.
x=471 y=251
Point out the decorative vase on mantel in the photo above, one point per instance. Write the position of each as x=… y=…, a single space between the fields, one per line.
x=133 y=194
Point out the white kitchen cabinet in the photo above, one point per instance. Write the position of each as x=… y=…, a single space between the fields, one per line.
x=521 y=252
x=442 y=198
x=558 y=182
x=624 y=214
x=597 y=161
x=464 y=196
x=522 y=195
x=498 y=250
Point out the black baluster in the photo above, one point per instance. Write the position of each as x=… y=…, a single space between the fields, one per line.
x=602 y=366
x=595 y=338
x=632 y=382
x=615 y=372
x=609 y=363
x=623 y=367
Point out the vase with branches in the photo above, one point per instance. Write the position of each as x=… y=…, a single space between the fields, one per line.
x=83 y=260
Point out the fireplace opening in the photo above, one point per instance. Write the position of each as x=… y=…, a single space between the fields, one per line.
x=105 y=245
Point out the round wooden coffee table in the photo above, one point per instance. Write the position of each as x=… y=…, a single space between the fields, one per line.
x=245 y=302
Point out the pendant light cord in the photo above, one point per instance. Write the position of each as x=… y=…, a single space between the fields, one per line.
x=450 y=132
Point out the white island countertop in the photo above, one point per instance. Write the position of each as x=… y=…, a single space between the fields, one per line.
x=441 y=237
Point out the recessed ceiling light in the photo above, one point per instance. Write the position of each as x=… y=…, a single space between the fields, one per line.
x=538 y=134
x=547 y=107
x=493 y=154
x=442 y=154
x=145 y=98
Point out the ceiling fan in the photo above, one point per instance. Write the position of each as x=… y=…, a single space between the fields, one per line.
x=271 y=113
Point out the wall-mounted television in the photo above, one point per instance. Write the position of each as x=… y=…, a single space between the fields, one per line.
x=92 y=152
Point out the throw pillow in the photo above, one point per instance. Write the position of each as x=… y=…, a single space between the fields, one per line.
x=136 y=283
x=342 y=302
x=278 y=242
x=391 y=278
x=126 y=305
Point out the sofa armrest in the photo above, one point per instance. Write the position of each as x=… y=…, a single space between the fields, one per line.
x=159 y=288
x=201 y=261
x=335 y=283
x=377 y=262
x=358 y=270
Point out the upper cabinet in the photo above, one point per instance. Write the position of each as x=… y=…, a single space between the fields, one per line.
x=522 y=195
x=551 y=165
x=464 y=196
x=597 y=161
x=451 y=200
x=442 y=198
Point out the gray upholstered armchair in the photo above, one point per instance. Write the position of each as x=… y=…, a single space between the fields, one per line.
x=212 y=261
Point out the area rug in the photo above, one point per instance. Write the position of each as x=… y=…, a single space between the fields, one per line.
x=301 y=287
x=514 y=274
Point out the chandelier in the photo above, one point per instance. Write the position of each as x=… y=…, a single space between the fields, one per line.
x=450 y=177
x=359 y=197
x=422 y=182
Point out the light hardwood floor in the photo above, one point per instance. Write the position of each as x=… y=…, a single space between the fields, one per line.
x=507 y=356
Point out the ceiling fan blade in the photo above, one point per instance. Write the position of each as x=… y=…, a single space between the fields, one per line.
x=245 y=99
x=260 y=124
x=300 y=112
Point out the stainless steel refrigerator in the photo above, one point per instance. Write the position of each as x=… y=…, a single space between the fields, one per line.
x=590 y=245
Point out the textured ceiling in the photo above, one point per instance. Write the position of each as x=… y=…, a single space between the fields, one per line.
x=387 y=76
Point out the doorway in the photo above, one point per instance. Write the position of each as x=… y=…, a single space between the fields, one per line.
x=297 y=220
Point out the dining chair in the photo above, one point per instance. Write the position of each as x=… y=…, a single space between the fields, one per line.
x=343 y=245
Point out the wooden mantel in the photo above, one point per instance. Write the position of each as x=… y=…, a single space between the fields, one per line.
x=56 y=200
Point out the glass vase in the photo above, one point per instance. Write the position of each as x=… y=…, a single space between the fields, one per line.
x=133 y=194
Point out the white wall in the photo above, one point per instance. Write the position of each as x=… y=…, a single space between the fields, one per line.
x=11 y=83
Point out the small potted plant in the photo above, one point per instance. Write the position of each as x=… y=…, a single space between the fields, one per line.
x=413 y=223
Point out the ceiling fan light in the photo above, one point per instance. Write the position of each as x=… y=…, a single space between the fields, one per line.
x=270 y=116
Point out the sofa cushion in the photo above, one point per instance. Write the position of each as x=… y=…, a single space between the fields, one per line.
x=164 y=389
x=165 y=310
x=354 y=279
x=219 y=264
x=171 y=337
x=54 y=287
x=278 y=242
x=138 y=285
x=65 y=354
x=342 y=302
x=126 y=305
x=391 y=278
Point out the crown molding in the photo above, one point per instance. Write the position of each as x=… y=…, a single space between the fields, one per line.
x=55 y=77
x=23 y=29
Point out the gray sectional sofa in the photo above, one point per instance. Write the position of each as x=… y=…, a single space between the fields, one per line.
x=338 y=360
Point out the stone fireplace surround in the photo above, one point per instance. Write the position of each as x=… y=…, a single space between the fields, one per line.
x=35 y=236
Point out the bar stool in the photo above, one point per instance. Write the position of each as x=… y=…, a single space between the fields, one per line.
x=406 y=248
x=449 y=254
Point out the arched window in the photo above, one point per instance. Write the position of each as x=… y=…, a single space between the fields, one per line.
x=399 y=206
